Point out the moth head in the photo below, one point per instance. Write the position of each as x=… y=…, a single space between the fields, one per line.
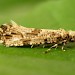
x=72 y=36
x=3 y=27
x=8 y=25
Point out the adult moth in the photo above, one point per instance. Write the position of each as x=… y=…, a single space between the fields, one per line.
x=12 y=34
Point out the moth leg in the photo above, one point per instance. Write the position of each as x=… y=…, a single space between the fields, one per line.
x=44 y=46
x=32 y=46
x=63 y=46
x=54 y=46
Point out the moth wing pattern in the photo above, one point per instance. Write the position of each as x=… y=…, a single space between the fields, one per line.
x=12 y=34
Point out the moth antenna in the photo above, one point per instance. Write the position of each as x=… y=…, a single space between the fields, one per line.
x=13 y=23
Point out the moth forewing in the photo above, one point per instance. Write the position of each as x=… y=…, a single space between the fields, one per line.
x=12 y=34
x=72 y=36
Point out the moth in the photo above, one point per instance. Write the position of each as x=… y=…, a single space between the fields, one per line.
x=12 y=34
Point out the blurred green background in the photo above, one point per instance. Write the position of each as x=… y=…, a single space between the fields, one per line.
x=51 y=14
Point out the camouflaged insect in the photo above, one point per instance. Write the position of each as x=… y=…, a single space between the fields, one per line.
x=12 y=34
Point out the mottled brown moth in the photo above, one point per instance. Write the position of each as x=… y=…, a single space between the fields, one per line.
x=12 y=34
